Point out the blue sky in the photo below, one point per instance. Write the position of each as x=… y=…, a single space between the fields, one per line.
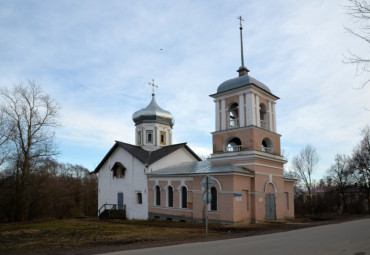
x=97 y=57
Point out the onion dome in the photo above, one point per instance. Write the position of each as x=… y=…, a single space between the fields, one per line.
x=153 y=114
x=241 y=81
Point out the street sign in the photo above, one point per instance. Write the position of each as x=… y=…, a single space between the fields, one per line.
x=207 y=183
x=210 y=180
x=205 y=197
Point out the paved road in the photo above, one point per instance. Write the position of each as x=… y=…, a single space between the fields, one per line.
x=345 y=238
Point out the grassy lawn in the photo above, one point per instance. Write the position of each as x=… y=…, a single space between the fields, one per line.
x=73 y=234
x=67 y=235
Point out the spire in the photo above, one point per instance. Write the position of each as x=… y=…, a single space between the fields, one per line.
x=242 y=69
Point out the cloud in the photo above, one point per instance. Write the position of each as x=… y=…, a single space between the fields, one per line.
x=96 y=58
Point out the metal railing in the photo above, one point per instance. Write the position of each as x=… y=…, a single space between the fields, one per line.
x=266 y=149
x=105 y=207
x=264 y=124
x=234 y=122
x=233 y=148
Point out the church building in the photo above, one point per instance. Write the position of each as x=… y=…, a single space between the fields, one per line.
x=155 y=179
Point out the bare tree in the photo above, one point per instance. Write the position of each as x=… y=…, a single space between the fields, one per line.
x=359 y=10
x=340 y=176
x=360 y=165
x=305 y=163
x=33 y=117
x=6 y=131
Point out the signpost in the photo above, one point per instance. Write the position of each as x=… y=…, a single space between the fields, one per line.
x=206 y=183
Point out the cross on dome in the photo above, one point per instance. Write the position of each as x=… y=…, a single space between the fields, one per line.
x=153 y=85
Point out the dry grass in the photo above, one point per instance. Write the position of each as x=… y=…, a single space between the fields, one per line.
x=67 y=235
x=73 y=234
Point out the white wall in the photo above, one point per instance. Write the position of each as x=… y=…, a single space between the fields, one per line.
x=179 y=156
x=135 y=181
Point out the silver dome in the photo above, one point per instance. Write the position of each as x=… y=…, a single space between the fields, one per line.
x=153 y=114
x=240 y=82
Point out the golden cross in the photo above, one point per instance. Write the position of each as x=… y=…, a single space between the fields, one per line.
x=153 y=85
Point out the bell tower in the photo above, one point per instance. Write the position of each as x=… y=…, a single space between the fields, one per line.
x=245 y=121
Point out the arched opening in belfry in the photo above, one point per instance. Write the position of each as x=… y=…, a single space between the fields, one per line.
x=263 y=116
x=234 y=144
x=234 y=115
x=267 y=145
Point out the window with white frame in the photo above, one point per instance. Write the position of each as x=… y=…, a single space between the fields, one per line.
x=170 y=196
x=184 y=197
x=157 y=195
x=149 y=136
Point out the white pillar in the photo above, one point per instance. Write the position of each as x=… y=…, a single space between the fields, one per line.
x=257 y=111
x=271 y=126
x=217 y=113
x=249 y=106
x=274 y=117
x=241 y=110
x=223 y=117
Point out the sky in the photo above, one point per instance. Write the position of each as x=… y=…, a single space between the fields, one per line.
x=95 y=58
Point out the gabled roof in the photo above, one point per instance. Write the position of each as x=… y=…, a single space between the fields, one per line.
x=146 y=157
x=202 y=167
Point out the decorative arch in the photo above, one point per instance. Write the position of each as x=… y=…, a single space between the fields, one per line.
x=273 y=184
x=234 y=115
x=182 y=185
x=267 y=145
x=218 y=182
x=233 y=144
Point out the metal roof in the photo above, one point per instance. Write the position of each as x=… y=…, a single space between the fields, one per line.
x=240 y=82
x=200 y=167
x=153 y=114
x=146 y=157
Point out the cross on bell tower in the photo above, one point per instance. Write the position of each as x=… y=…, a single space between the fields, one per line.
x=242 y=69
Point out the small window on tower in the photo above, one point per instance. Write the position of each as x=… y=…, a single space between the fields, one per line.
x=163 y=138
x=149 y=136
x=139 y=138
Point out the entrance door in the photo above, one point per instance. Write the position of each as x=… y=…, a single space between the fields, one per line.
x=270 y=207
x=120 y=200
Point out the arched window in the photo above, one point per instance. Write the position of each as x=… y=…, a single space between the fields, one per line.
x=184 y=197
x=267 y=145
x=119 y=170
x=157 y=195
x=213 y=199
x=263 y=116
x=170 y=196
x=234 y=115
x=149 y=136
x=234 y=144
